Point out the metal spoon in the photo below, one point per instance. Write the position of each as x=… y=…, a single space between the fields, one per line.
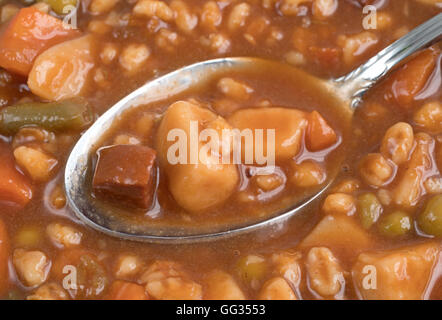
x=348 y=90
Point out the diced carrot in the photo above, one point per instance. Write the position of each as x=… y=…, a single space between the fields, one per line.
x=28 y=34
x=319 y=134
x=15 y=188
x=61 y=71
x=410 y=79
x=4 y=256
x=123 y=290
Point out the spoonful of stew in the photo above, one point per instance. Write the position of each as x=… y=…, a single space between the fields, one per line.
x=222 y=147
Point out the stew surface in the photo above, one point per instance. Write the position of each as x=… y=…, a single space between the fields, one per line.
x=376 y=232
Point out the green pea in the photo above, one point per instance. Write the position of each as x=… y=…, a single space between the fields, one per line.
x=430 y=220
x=395 y=224
x=61 y=7
x=252 y=268
x=369 y=209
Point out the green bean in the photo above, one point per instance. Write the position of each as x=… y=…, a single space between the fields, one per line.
x=395 y=224
x=430 y=220
x=72 y=114
x=369 y=209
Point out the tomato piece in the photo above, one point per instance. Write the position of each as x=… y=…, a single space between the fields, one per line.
x=15 y=188
x=28 y=34
x=124 y=290
x=410 y=79
x=4 y=256
x=319 y=133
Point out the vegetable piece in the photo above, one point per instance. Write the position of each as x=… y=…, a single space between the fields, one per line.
x=61 y=6
x=123 y=290
x=15 y=188
x=430 y=220
x=369 y=209
x=288 y=125
x=408 y=81
x=37 y=164
x=252 y=268
x=72 y=114
x=395 y=224
x=61 y=72
x=403 y=273
x=126 y=173
x=319 y=134
x=28 y=34
x=203 y=183
x=4 y=257
x=340 y=232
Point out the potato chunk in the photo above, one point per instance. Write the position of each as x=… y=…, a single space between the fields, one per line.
x=126 y=173
x=341 y=232
x=289 y=126
x=221 y=286
x=398 y=274
x=195 y=185
x=61 y=71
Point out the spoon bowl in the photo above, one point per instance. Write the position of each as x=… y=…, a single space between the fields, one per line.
x=346 y=91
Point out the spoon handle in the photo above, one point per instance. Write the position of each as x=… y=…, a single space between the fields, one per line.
x=357 y=82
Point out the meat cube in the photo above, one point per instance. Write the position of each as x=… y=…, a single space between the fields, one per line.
x=126 y=173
